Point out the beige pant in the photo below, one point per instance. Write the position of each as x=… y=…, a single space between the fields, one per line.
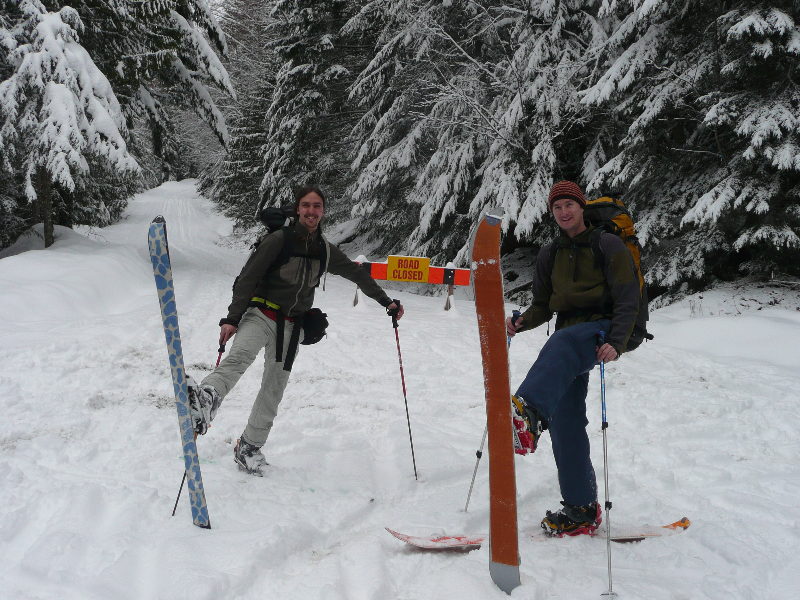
x=255 y=332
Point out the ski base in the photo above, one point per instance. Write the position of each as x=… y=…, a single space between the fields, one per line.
x=471 y=542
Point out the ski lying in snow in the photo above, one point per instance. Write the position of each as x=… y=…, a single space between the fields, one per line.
x=647 y=531
x=490 y=310
x=440 y=542
x=466 y=542
x=162 y=270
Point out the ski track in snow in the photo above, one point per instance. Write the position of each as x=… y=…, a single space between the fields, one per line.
x=702 y=423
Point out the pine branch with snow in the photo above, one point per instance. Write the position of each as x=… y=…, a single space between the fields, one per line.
x=711 y=112
x=58 y=108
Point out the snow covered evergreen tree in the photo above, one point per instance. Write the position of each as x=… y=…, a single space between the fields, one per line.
x=309 y=116
x=80 y=75
x=12 y=221
x=58 y=110
x=235 y=180
x=467 y=106
x=711 y=155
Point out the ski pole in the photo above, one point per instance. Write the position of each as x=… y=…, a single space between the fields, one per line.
x=183 y=481
x=220 y=350
x=610 y=592
x=180 y=489
x=393 y=314
x=479 y=453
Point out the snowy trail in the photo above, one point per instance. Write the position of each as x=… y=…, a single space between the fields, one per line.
x=702 y=423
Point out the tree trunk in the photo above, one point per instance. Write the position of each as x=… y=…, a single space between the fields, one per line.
x=46 y=205
x=62 y=211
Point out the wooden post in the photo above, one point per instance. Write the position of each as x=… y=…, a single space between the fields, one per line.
x=360 y=259
x=450 y=302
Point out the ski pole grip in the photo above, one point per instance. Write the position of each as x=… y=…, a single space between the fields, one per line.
x=601 y=335
x=392 y=312
x=221 y=348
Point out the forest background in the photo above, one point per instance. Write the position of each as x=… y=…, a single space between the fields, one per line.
x=415 y=116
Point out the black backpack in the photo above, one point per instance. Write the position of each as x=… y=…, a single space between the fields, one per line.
x=275 y=217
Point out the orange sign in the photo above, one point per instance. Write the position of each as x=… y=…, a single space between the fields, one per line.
x=408 y=268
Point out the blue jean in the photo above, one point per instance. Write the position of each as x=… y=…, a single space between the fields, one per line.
x=556 y=387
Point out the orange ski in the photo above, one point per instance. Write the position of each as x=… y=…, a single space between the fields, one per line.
x=490 y=310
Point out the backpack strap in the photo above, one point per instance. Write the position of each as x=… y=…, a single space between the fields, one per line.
x=324 y=258
x=594 y=243
x=280 y=336
x=286 y=250
x=550 y=257
x=280 y=323
x=294 y=339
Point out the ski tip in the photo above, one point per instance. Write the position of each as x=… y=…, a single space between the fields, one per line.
x=682 y=523
x=159 y=219
x=669 y=529
x=494 y=216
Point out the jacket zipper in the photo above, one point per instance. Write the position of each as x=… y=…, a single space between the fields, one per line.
x=300 y=281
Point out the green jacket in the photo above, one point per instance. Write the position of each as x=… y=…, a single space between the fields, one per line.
x=581 y=290
x=292 y=285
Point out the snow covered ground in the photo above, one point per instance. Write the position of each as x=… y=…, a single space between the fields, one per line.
x=703 y=423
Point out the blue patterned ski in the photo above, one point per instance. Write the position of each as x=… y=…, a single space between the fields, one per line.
x=162 y=270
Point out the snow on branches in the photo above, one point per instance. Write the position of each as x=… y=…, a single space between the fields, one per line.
x=57 y=106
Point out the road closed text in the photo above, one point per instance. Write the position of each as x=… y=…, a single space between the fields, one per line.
x=407 y=268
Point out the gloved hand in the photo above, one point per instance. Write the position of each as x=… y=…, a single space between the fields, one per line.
x=395 y=309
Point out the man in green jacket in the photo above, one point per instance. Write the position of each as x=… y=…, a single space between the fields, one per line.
x=271 y=298
x=596 y=299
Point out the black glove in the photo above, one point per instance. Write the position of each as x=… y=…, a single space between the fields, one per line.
x=392 y=312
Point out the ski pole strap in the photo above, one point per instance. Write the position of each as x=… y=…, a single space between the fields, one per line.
x=601 y=336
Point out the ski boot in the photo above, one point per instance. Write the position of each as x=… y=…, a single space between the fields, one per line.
x=203 y=405
x=249 y=458
x=573 y=520
x=528 y=426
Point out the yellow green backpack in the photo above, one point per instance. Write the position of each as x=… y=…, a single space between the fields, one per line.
x=610 y=215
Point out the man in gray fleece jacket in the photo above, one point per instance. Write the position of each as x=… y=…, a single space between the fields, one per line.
x=271 y=298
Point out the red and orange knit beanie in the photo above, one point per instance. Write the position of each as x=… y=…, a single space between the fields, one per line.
x=566 y=189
